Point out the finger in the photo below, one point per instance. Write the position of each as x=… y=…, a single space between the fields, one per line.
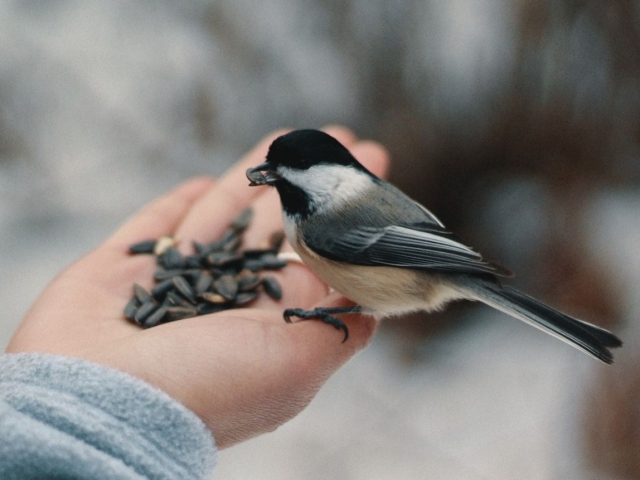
x=315 y=342
x=162 y=216
x=211 y=215
x=373 y=156
x=321 y=340
x=343 y=134
x=315 y=338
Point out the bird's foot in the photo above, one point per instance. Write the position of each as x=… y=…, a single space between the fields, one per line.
x=324 y=315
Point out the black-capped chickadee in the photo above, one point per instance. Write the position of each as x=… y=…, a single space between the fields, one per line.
x=385 y=252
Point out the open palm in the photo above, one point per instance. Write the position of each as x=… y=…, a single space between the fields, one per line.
x=243 y=371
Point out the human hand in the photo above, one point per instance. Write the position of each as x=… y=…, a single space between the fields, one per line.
x=242 y=371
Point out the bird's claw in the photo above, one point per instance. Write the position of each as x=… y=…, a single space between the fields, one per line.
x=316 y=314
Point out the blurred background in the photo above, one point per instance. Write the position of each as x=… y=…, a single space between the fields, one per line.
x=516 y=122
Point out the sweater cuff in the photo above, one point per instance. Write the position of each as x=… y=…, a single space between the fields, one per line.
x=105 y=419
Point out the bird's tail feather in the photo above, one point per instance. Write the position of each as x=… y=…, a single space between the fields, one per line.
x=593 y=340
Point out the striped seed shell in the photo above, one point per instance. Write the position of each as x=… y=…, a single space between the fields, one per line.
x=245 y=298
x=272 y=262
x=141 y=294
x=272 y=287
x=131 y=308
x=161 y=289
x=231 y=241
x=204 y=282
x=177 y=300
x=145 y=310
x=213 y=297
x=212 y=247
x=248 y=283
x=145 y=246
x=162 y=274
x=206 y=308
x=244 y=273
x=253 y=264
x=155 y=318
x=193 y=261
x=178 y=313
x=199 y=247
x=217 y=274
x=276 y=240
x=163 y=243
x=227 y=286
x=192 y=273
x=171 y=259
x=242 y=220
x=184 y=288
x=224 y=259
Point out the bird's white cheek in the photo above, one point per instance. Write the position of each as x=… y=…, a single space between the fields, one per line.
x=290 y=229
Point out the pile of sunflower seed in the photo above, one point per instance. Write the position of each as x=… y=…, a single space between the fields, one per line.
x=216 y=277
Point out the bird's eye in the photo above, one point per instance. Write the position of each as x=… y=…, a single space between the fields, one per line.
x=305 y=163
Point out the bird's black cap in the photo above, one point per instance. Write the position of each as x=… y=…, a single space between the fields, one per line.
x=302 y=149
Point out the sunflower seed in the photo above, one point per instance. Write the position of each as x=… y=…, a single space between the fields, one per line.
x=253 y=264
x=227 y=286
x=145 y=310
x=162 y=244
x=161 y=289
x=217 y=273
x=231 y=241
x=161 y=274
x=203 y=282
x=184 y=288
x=131 y=308
x=155 y=318
x=248 y=282
x=176 y=300
x=212 y=247
x=233 y=245
x=272 y=262
x=256 y=178
x=224 y=259
x=145 y=246
x=171 y=259
x=241 y=222
x=272 y=287
x=191 y=273
x=213 y=297
x=245 y=298
x=244 y=273
x=193 y=261
x=205 y=308
x=276 y=240
x=178 y=313
x=199 y=247
x=141 y=294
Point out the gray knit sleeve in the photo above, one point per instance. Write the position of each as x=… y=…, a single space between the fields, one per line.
x=68 y=418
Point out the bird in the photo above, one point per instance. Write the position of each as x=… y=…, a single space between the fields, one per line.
x=384 y=251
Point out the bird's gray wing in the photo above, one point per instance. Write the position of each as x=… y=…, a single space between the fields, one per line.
x=420 y=246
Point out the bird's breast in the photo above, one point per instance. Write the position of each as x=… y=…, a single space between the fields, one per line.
x=381 y=291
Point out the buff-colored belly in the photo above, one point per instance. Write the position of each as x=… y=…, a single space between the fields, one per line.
x=382 y=291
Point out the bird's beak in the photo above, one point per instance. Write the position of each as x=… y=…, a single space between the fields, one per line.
x=257 y=177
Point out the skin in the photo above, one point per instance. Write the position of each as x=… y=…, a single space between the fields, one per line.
x=244 y=372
